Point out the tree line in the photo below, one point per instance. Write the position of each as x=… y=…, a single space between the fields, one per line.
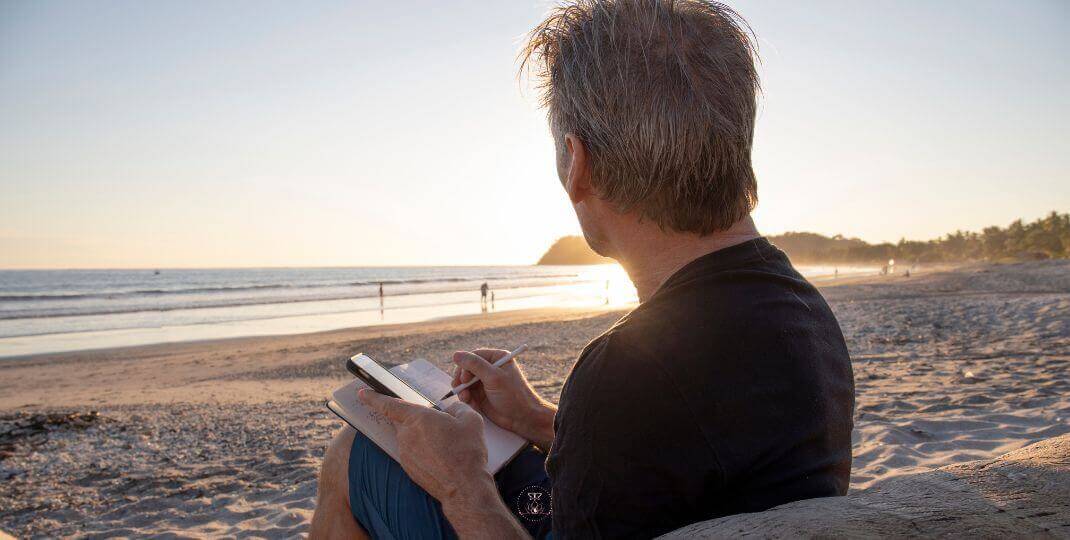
x=1045 y=238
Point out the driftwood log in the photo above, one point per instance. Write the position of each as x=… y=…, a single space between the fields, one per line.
x=1025 y=493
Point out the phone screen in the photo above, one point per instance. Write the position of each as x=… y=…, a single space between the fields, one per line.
x=382 y=381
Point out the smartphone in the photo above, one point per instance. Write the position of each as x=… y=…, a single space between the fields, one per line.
x=381 y=380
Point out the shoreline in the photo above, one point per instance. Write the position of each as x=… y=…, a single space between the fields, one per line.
x=503 y=317
x=217 y=360
x=820 y=281
x=204 y=370
x=36 y=327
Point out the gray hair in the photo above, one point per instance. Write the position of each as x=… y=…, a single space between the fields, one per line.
x=663 y=95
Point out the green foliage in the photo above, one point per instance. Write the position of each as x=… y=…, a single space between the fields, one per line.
x=1045 y=238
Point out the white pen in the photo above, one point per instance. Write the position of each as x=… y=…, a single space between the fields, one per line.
x=499 y=363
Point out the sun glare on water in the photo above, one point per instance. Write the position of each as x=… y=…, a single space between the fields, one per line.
x=609 y=281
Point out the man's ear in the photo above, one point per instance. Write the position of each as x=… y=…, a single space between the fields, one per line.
x=578 y=179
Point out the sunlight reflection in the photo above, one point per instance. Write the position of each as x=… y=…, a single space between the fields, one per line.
x=610 y=281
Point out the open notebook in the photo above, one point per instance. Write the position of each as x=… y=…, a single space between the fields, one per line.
x=502 y=445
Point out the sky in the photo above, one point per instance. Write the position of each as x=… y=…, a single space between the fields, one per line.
x=324 y=133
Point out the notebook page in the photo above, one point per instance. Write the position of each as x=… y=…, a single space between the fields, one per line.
x=434 y=383
x=422 y=375
x=372 y=424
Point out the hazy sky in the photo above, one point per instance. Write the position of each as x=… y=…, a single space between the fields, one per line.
x=164 y=134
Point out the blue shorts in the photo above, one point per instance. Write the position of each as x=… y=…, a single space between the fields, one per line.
x=388 y=504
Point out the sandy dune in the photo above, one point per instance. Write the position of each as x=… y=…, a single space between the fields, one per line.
x=224 y=438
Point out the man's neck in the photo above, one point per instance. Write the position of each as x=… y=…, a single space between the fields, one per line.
x=651 y=256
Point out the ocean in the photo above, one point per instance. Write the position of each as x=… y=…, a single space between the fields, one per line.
x=44 y=311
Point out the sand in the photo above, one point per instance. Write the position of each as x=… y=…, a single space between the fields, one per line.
x=225 y=437
x=1021 y=494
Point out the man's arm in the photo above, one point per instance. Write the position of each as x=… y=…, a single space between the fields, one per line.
x=505 y=396
x=540 y=425
x=478 y=512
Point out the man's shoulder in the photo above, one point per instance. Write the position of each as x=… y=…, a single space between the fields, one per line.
x=719 y=323
x=611 y=352
x=728 y=301
x=610 y=369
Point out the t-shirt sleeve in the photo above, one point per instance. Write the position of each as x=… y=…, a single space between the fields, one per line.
x=618 y=453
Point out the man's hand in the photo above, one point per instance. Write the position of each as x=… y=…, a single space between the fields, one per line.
x=444 y=453
x=504 y=395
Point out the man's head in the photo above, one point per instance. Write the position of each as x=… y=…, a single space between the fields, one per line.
x=652 y=105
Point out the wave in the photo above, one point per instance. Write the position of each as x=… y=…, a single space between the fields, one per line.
x=141 y=292
x=112 y=295
x=247 y=317
x=38 y=313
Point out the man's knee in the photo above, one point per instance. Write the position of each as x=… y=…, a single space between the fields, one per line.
x=333 y=517
x=334 y=472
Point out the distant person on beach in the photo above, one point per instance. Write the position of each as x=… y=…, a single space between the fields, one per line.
x=727 y=390
x=380 y=294
x=483 y=294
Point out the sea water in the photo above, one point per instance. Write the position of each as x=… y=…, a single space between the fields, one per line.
x=64 y=310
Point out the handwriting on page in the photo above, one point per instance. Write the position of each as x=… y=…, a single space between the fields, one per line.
x=378 y=418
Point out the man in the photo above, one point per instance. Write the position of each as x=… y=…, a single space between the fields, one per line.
x=729 y=389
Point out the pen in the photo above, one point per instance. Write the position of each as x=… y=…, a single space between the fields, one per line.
x=501 y=362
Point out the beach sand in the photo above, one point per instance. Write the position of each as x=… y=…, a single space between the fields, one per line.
x=225 y=437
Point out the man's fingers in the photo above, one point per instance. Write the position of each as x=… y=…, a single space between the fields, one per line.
x=456 y=380
x=477 y=365
x=460 y=375
x=396 y=410
x=490 y=355
x=456 y=408
x=513 y=367
x=464 y=413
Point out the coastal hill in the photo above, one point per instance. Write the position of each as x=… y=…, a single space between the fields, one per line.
x=1045 y=238
x=572 y=250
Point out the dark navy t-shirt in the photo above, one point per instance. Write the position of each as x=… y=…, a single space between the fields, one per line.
x=729 y=390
